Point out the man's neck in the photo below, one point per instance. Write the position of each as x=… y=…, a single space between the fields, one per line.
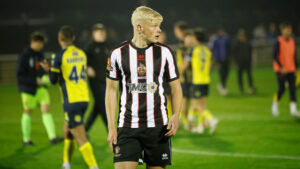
x=139 y=41
x=65 y=45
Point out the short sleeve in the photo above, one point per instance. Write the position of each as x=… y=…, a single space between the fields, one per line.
x=112 y=68
x=171 y=70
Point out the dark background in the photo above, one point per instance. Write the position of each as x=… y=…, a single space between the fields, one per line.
x=19 y=18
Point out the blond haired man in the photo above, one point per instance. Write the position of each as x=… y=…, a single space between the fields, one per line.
x=139 y=67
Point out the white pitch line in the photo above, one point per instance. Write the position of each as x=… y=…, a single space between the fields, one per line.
x=240 y=155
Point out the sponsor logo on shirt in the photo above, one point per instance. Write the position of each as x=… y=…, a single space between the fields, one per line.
x=142 y=87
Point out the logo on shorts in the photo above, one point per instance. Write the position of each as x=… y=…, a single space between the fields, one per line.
x=164 y=156
x=77 y=118
x=66 y=116
x=117 y=152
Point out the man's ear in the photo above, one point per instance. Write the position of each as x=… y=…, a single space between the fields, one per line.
x=139 y=28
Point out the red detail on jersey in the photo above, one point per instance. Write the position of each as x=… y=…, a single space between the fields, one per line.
x=141 y=57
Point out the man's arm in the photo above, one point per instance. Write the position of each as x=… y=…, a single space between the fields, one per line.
x=111 y=97
x=176 y=95
x=22 y=69
x=55 y=68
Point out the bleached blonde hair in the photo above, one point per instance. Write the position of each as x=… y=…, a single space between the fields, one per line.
x=143 y=13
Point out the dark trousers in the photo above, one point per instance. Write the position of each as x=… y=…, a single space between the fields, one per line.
x=241 y=69
x=223 y=71
x=290 y=78
x=98 y=90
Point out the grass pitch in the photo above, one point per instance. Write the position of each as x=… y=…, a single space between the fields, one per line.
x=248 y=137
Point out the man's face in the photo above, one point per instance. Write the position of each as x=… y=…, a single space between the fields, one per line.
x=178 y=33
x=286 y=32
x=151 y=30
x=37 y=46
x=99 y=35
x=189 y=41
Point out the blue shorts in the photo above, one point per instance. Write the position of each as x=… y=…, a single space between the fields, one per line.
x=199 y=91
x=74 y=113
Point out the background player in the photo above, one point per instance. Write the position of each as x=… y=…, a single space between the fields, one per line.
x=181 y=50
x=69 y=67
x=97 y=52
x=200 y=60
x=32 y=83
x=284 y=66
x=141 y=66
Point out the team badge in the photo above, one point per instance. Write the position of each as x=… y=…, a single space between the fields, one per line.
x=109 y=67
x=141 y=69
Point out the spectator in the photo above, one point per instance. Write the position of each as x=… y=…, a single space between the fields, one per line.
x=242 y=55
x=221 y=51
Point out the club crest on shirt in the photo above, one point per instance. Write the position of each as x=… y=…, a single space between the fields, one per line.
x=141 y=69
x=142 y=87
x=109 y=67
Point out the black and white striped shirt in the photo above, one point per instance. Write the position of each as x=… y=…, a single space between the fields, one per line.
x=142 y=72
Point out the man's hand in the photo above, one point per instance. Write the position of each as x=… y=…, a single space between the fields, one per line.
x=91 y=72
x=45 y=65
x=112 y=138
x=173 y=125
x=39 y=82
x=282 y=70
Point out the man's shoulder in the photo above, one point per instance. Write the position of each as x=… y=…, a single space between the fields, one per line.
x=164 y=47
x=120 y=45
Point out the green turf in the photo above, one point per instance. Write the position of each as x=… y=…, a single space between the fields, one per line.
x=246 y=127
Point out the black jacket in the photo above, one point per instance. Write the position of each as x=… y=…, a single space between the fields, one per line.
x=28 y=69
x=97 y=54
x=242 y=52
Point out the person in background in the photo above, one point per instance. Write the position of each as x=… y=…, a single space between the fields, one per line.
x=199 y=59
x=284 y=66
x=241 y=52
x=69 y=70
x=221 y=51
x=163 y=40
x=97 y=52
x=32 y=82
x=181 y=50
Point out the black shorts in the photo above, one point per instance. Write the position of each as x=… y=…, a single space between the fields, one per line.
x=186 y=89
x=199 y=91
x=132 y=142
x=74 y=113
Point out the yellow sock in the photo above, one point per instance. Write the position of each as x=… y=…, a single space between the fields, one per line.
x=201 y=118
x=207 y=115
x=275 y=97
x=88 y=155
x=169 y=107
x=69 y=145
x=191 y=115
